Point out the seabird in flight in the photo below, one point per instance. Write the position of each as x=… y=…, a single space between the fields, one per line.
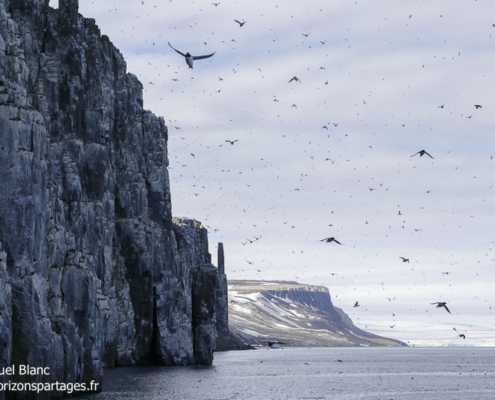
x=189 y=58
x=442 y=304
x=295 y=79
x=240 y=23
x=404 y=259
x=422 y=153
x=270 y=344
x=231 y=142
x=329 y=240
x=356 y=305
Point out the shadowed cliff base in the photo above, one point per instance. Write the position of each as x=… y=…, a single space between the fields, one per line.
x=293 y=313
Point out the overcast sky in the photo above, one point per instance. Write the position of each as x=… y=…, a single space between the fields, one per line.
x=330 y=156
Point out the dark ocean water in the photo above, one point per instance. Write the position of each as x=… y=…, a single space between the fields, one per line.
x=316 y=373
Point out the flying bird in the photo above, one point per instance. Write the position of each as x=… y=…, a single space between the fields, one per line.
x=477 y=106
x=270 y=344
x=240 y=23
x=422 y=153
x=215 y=4
x=404 y=259
x=329 y=240
x=295 y=79
x=356 y=305
x=462 y=336
x=231 y=142
x=189 y=58
x=442 y=304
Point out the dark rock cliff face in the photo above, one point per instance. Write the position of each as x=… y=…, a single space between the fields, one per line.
x=93 y=269
x=222 y=305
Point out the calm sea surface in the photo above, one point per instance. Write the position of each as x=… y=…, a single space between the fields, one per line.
x=316 y=373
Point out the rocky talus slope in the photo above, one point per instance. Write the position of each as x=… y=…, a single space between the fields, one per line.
x=94 y=270
x=295 y=314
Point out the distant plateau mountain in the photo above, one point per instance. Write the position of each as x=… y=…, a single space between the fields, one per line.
x=295 y=314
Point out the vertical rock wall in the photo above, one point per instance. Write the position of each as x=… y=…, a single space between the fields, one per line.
x=192 y=244
x=93 y=271
x=222 y=306
x=5 y=315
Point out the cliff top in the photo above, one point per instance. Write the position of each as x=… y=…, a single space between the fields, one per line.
x=248 y=286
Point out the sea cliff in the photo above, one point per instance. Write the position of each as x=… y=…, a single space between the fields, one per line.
x=94 y=271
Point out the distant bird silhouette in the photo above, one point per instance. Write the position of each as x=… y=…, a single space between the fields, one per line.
x=306 y=34
x=356 y=305
x=231 y=142
x=441 y=106
x=329 y=240
x=477 y=106
x=215 y=4
x=462 y=336
x=392 y=326
x=270 y=344
x=404 y=259
x=340 y=361
x=422 y=153
x=189 y=58
x=295 y=79
x=240 y=23
x=442 y=304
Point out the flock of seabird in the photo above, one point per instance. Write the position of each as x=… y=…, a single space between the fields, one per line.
x=189 y=60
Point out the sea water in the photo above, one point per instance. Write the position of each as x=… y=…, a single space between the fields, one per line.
x=316 y=373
